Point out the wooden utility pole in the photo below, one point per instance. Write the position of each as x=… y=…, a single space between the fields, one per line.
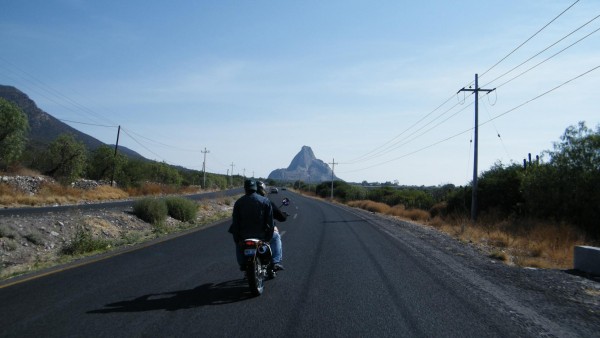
x=332 y=176
x=204 y=168
x=476 y=137
x=232 y=165
x=112 y=179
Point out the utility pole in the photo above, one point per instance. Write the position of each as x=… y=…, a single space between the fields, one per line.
x=476 y=137
x=112 y=179
x=332 y=176
x=204 y=168
x=232 y=165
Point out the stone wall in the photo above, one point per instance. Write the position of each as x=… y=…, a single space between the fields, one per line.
x=31 y=184
x=26 y=184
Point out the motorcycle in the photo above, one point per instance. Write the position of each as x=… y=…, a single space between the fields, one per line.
x=258 y=261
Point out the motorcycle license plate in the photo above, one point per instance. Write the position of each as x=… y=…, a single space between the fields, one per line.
x=249 y=252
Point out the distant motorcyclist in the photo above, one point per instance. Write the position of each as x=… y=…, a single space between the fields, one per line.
x=276 y=245
x=252 y=218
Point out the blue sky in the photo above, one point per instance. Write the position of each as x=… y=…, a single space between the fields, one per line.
x=358 y=81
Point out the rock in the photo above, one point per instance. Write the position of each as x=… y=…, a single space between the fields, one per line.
x=304 y=167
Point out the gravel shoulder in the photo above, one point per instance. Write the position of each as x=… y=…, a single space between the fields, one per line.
x=546 y=302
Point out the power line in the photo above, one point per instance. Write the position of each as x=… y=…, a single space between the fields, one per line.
x=531 y=37
x=392 y=145
x=545 y=49
x=481 y=124
x=166 y=145
x=143 y=146
x=24 y=75
x=89 y=124
x=397 y=136
x=406 y=140
x=547 y=59
x=543 y=94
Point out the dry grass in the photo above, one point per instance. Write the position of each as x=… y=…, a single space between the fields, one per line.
x=53 y=193
x=371 y=206
x=397 y=210
x=526 y=243
x=104 y=192
x=533 y=244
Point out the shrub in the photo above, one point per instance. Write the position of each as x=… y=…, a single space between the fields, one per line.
x=182 y=209
x=151 y=210
x=83 y=242
x=35 y=238
x=10 y=245
x=7 y=232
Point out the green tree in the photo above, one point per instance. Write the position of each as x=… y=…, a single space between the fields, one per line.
x=65 y=158
x=164 y=173
x=579 y=149
x=568 y=187
x=13 y=129
x=499 y=189
x=103 y=161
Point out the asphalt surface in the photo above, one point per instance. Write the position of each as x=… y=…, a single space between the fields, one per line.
x=345 y=276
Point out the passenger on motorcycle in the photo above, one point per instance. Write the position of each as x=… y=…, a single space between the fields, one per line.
x=252 y=218
x=276 y=246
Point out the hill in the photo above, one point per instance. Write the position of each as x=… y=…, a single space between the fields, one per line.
x=44 y=128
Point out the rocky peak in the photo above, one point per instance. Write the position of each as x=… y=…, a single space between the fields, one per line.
x=304 y=167
x=303 y=159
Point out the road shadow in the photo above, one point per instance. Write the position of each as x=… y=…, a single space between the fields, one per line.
x=206 y=294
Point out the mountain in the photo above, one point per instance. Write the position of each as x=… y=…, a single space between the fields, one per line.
x=44 y=128
x=304 y=167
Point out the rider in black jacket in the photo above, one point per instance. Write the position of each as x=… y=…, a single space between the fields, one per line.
x=252 y=218
x=276 y=246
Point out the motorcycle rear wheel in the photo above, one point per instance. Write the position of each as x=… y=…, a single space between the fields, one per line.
x=256 y=277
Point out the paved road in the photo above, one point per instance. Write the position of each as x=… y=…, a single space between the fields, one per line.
x=346 y=276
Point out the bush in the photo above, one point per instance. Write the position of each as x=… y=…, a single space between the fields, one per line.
x=35 y=238
x=83 y=242
x=151 y=210
x=182 y=209
x=7 y=232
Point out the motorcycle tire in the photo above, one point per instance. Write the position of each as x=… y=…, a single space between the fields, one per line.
x=256 y=277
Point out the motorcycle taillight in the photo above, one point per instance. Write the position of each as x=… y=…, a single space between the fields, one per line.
x=249 y=243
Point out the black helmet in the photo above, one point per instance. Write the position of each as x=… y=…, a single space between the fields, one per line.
x=250 y=185
x=261 y=188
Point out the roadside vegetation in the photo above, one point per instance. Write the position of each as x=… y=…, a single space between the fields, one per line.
x=66 y=172
x=530 y=214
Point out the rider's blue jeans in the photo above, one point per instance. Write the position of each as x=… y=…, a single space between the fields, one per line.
x=276 y=248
